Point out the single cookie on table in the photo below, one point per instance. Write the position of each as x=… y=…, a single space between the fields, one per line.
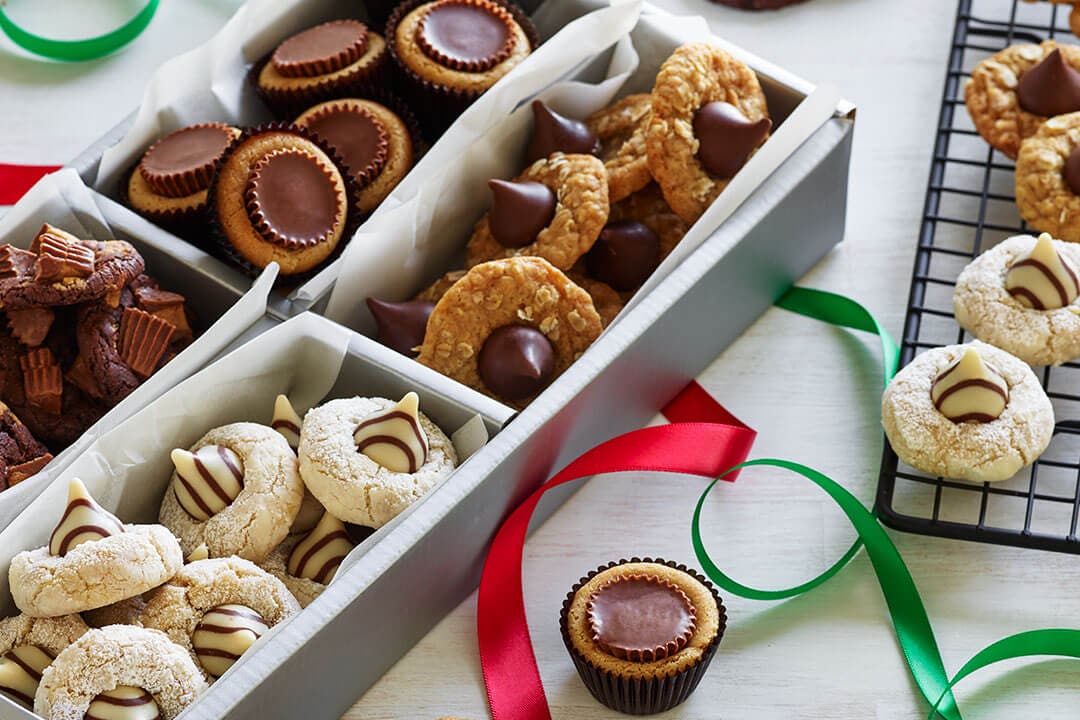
x=709 y=116
x=286 y=421
x=332 y=60
x=375 y=142
x=237 y=490
x=971 y=412
x=552 y=133
x=1012 y=93
x=216 y=609
x=621 y=129
x=282 y=195
x=119 y=667
x=28 y=645
x=92 y=560
x=307 y=564
x=21 y=454
x=61 y=269
x=368 y=459
x=555 y=210
x=642 y=633
x=1021 y=296
x=169 y=185
x=1048 y=178
x=510 y=327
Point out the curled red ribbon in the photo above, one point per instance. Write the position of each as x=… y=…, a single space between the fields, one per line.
x=15 y=180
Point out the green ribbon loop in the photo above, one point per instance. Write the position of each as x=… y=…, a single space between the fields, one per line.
x=78 y=50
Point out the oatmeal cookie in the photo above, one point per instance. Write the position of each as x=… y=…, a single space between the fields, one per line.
x=433 y=293
x=620 y=128
x=606 y=300
x=697 y=79
x=569 y=214
x=1047 y=169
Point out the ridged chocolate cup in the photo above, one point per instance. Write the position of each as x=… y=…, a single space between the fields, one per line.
x=641 y=696
x=436 y=105
x=223 y=248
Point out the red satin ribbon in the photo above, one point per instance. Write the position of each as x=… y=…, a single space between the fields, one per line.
x=15 y=180
x=696 y=444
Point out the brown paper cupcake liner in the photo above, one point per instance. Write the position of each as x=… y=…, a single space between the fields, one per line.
x=220 y=245
x=641 y=696
x=189 y=225
x=437 y=105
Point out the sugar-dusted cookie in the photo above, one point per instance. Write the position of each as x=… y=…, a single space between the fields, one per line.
x=1014 y=91
x=972 y=412
x=307 y=564
x=119 y=666
x=237 y=490
x=28 y=646
x=1048 y=178
x=509 y=327
x=708 y=117
x=216 y=609
x=1021 y=296
x=620 y=129
x=555 y=210
x=92 y=560
x=367 y=459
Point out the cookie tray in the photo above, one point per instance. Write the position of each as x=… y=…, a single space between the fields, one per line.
x=224 y=304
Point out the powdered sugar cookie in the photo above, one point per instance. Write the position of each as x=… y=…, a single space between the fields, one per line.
x=28 y=646
x=119 y=666
x=237 y=490
x=92 y=560
x=972 y=412
x=367 y=459
x=1021 y=296
x=307 y=564
x=216 y=609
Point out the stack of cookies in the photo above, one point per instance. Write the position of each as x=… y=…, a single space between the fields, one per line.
x=569 y=240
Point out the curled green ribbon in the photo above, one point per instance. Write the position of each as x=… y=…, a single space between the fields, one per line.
x=78 y=50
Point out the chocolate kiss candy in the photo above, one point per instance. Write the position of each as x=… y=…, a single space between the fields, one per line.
x=401 y=326
x=519 y=211
x=726 y=138
x=1041 y=278
x=83 y=521
x=1050 y=88
x=123 y=702
x=516 y=362
x=553 y=133
x=625 y=254
x=1072 y=170
x=970 y=390
x=20 y=672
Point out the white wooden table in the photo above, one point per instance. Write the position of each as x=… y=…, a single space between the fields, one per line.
x=809 y=390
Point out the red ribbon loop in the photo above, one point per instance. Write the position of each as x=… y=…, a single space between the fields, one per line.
x=15 y=180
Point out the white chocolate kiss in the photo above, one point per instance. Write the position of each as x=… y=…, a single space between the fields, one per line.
x=286 y=421
x=200 y=553
x=319 y=554
x=124 y=702
x=224 y=634
x=207 y=480
x=20 y=672
x=970 y=390
x=83 y=521
x=1042 y=279
x=393 y=438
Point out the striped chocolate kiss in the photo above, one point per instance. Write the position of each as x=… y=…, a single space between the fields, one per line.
x=970 y=390
x=207 y=480
x=124 y=702
x=20 y=672
x=83 y=521
x=319 y=554
x=224 y=634
x=393 y=438
x=1042 y=279
x=286 y=421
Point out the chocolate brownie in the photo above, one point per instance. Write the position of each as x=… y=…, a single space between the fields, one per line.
x=21 y=454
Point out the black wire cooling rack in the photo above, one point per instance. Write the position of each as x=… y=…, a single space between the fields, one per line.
x=970 y=207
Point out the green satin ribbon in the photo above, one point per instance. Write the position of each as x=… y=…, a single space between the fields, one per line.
x=909 y=618
x=78 y=50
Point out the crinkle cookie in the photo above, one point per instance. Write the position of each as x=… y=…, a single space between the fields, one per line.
x=28 y=646
x=1021 y=296
x=620 y=127
x=92 y=560
x=1048 y=178
x=237 y=490
x=307 y=564
x=216 y=609
x=708 y=117
x=367 y=459
x=123 y=666
x=971 y=412
x=510 y=327
x=554 y=210
x=1008 y=102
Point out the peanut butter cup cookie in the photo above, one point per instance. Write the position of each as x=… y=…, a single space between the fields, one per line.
x=237 y=490
x=28 y=646
x=971 y=412
x=554 y=210
x=708 y=117
x=92 y=560
x=1013 y=92
x=307 y=564
x=367 y=459
x=1048 y=178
